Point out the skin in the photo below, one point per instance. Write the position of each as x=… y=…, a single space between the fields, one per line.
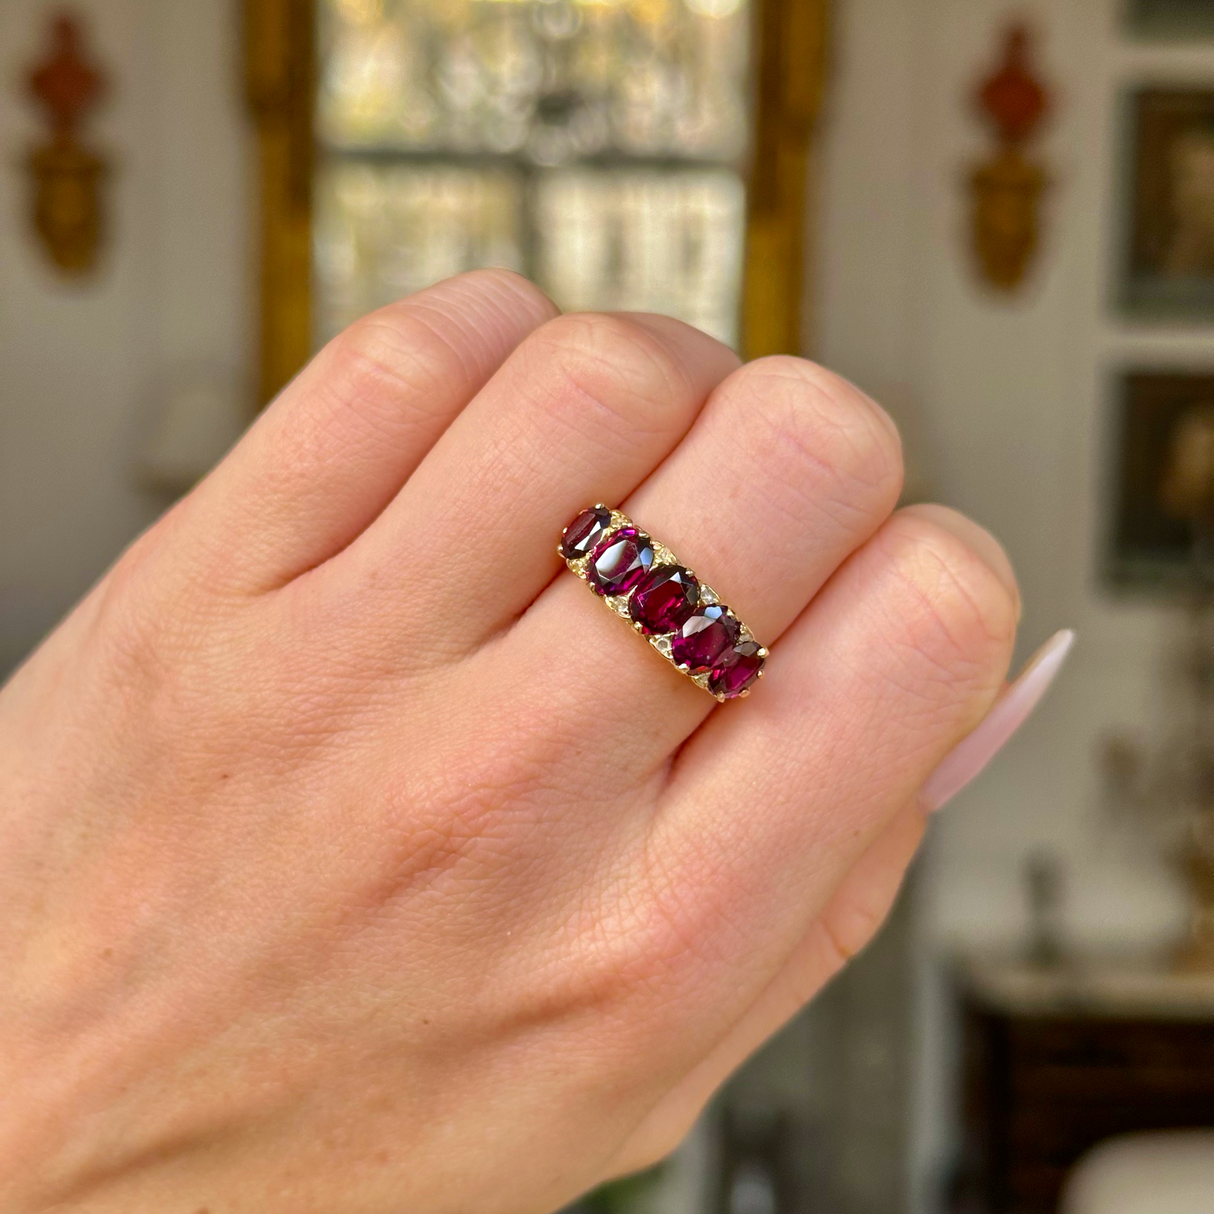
x=354 y=859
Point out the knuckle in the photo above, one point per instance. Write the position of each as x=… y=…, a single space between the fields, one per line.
x=811 y=416
x=378 y=378
x=390 y=349
x=449 y=330
x=960 y=615
x=505 y=288
x=614 y=361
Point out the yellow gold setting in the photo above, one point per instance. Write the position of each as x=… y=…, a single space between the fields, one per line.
x=621 y=604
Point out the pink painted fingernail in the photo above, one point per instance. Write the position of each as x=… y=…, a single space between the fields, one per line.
x=1011 y=710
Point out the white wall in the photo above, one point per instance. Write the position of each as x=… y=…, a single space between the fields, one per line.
x=1007 y=408
x=82 y=367
x=1006 y=405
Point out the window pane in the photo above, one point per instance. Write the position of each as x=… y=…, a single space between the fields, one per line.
x=643 y=240
x=385 y=230
x=553 y=80
x=592 y=144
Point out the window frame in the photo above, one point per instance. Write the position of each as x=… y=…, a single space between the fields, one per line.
x=791 y=68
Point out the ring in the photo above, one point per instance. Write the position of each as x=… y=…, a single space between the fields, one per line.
x=684 y=620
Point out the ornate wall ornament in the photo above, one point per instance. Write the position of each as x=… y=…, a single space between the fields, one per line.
x=66 y=176
x=1008 y=189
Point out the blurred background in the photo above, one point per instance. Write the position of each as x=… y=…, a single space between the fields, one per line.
x=997 y=218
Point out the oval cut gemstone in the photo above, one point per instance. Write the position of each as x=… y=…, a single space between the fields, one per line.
x=619 y=562
x=704 y=639
x=584 y=532
x=665 y=599
x=736 y=670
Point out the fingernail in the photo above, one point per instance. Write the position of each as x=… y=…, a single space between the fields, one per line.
x=1012 y=709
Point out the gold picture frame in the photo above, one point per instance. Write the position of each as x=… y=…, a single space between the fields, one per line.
x=280 y=81
x=1168 y=264
x=1165 y=416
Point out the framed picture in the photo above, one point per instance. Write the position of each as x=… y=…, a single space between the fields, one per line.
x=1172 y=18
x=1170 y=261
x=1163 y=464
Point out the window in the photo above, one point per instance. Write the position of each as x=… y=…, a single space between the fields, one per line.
x=594 y=145
x=626 y=154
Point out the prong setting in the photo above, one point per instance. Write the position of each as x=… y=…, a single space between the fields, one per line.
x=724 y=659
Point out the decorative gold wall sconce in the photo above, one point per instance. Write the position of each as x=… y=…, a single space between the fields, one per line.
x=1008 y=189
x=66 y=176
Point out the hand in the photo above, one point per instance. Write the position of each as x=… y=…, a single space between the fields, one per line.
x=354 y=859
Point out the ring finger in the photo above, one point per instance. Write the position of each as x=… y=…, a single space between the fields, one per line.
x=787 y=470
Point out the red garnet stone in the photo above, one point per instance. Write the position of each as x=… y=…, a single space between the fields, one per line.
x=620 y=561
x=665 y=599
x=584 y=532
x=705 y=639
x=737 y=669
